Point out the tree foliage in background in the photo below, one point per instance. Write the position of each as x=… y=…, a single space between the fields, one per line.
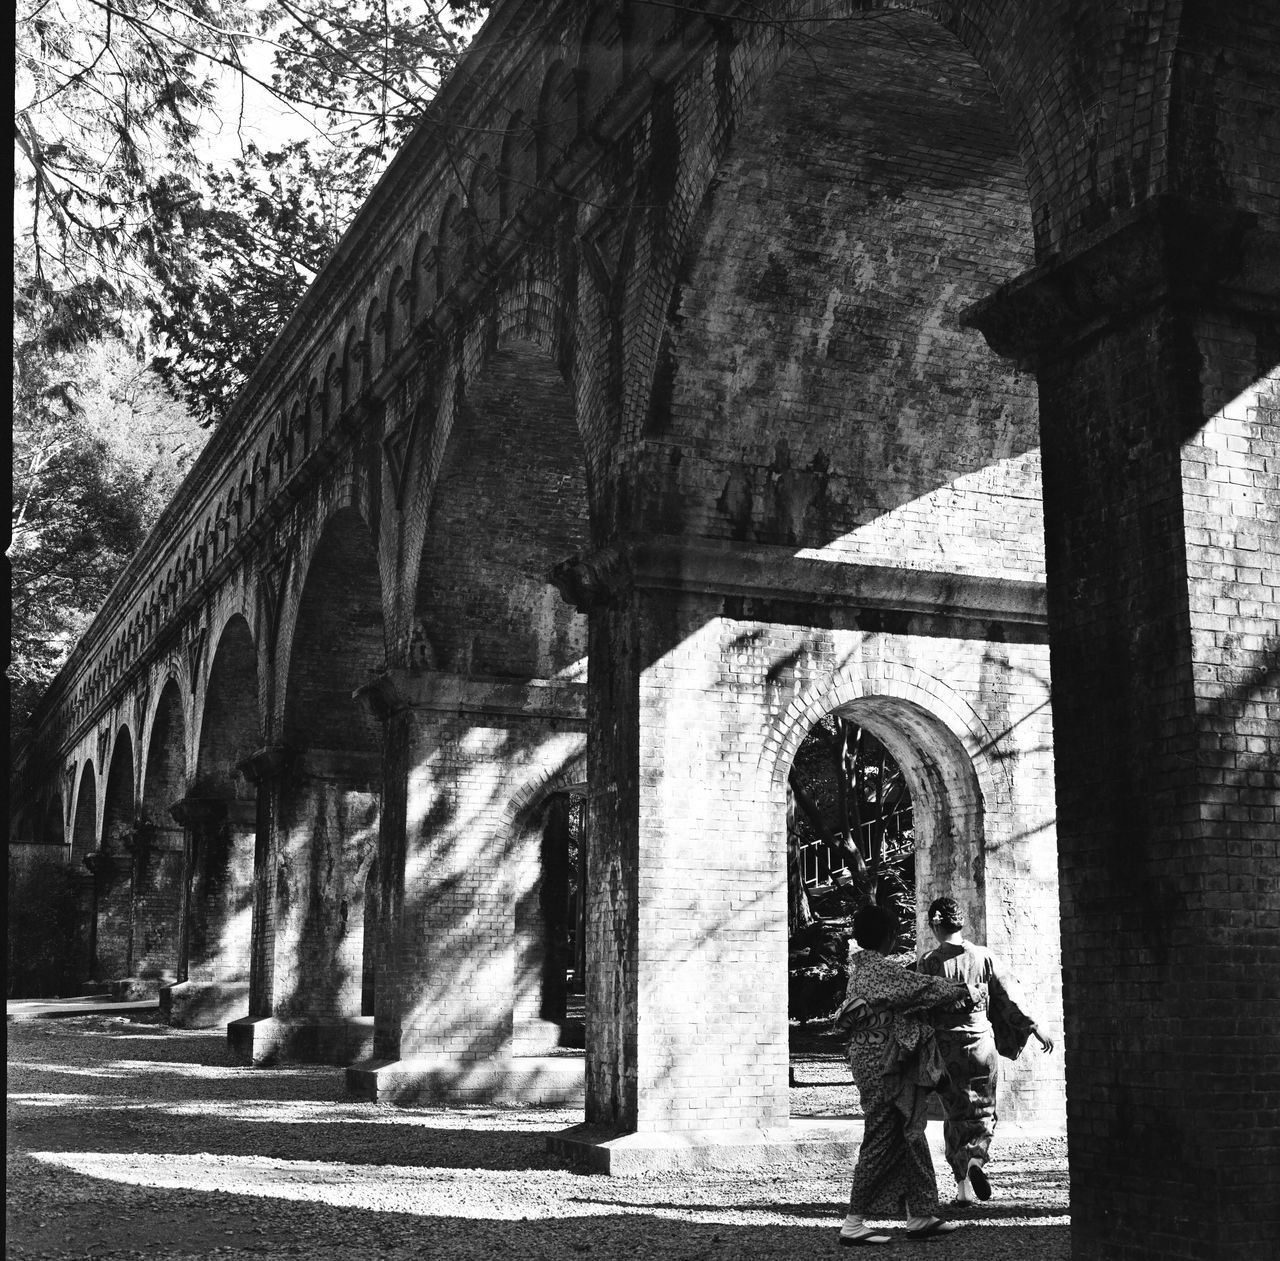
x=99 y=445
x=849 y=804
x=121 y=211
x=132 y=250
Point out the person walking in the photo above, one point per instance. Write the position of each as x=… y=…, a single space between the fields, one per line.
x=895 y=1061
x=971 y=1043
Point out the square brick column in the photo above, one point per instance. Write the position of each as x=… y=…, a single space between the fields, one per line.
x=686 y=907
x=461 y=995
x=1162 y=516
x=214 y=934
x=317 y=827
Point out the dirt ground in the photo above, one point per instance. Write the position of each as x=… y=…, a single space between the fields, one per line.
x=130 y=1139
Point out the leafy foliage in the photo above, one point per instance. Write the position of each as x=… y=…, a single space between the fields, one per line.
x=98 y=447
x=125 y=231
x=852 y=811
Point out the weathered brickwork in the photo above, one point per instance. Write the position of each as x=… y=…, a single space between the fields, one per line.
x=687 y=378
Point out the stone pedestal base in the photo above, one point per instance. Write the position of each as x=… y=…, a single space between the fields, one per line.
x=204 y=1004
x=263 y=1040
x=537 y=1079
x=833 y=1143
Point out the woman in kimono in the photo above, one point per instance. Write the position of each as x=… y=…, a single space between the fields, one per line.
x=971 y=1043
x=895 y=1063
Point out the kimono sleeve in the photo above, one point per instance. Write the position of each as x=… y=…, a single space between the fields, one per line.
x=1009 y=1023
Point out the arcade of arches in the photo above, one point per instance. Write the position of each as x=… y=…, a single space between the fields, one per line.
x=691 y=378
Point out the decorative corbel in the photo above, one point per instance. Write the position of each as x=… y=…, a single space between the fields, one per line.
x=593 y=580
x=381 y=698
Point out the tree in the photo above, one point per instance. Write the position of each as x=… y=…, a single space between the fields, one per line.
x=121 y=215
x=125 y=233
x=99 y=445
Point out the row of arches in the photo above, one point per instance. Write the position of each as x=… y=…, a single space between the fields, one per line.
x=495 y=185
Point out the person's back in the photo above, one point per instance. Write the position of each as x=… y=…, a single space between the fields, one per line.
x=962 y=961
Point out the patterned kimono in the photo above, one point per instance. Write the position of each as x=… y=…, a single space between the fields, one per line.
x=895 y=1063
x=970 y=1043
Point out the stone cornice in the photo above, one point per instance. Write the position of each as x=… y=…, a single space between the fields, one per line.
x=486 y=696
x=760 y=571
x=1167 y=251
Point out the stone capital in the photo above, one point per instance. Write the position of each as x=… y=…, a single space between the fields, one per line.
x=381 y=697
x=268 y=763
x=199 y=812
x=1168 y=251
x=591 y=580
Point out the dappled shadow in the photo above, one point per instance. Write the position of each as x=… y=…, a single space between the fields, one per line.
x=280 y=1219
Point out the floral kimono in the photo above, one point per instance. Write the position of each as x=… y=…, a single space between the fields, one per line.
x=895 y=1064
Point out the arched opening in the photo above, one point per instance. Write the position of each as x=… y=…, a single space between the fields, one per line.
x=331 y=798
x=850 y=842
x=892 y=797
x=113 y=866
x=509 y=503
x=548 y=1003
x=502 y=514
x=819 y=359
x=54 y=832
x=557 y=118
x=84 y=840
x=159 y=876
x=219 y=815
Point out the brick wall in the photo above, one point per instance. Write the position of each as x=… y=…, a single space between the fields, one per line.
x=508 y=503
x=696 y=957
x=468 y=974
x=821 y=391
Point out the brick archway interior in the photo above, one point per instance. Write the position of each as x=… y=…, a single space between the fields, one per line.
x=221 y=819
x=54 y=826
x=946 y=803
x=331 y=793
x=510 y=501
x=114 y=870
x=160 y=862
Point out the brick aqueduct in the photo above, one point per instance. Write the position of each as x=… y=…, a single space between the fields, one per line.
x=689 y=377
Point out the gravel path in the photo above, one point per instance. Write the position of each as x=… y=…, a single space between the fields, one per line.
x=130 y=1139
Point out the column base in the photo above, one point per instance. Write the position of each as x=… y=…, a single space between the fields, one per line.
x=264 y=1040
x=204 y=1004
x=543 y=1080
x=833 y=1143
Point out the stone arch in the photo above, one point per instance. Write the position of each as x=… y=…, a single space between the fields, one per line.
x=557 y=118
x=330 y=801
x=421 y=290
x=84 y=841
x=350 y=368
x=159 y=858
x=375 y=344
x=534 y=836
x=482 y=200
x=395 y=308
x=113 y=864
x=600 y=60
x=219 y=818
x=54 y=828
x=450 y=249
x=517 y=164
x=945 y=752
x=816 y=343
x=331 y=397
x=494 y=612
